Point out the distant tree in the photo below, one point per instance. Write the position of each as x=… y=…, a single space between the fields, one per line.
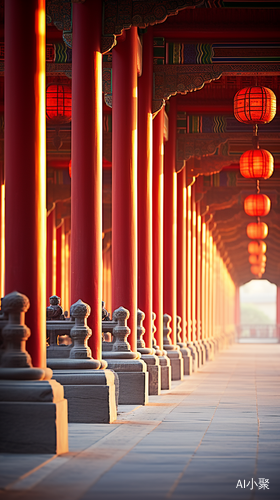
x=251 y=315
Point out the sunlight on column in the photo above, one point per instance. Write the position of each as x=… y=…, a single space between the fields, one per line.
x=2 y=222
x=54 y=265
x=40 y=171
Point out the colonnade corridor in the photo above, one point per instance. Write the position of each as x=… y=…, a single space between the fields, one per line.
x=214 y=435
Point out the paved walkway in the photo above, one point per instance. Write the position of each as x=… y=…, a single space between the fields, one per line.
x=212 y=432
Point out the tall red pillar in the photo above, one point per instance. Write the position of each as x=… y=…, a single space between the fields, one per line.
x=25 y=164
x=278 y=313
x=202 y=277
x=189 y=264
x=86 y=205
x=158 y=147
x=182 y=252
x=170 y=223
x=237 y=309
x=194 y=263
x=2 y=223
x=51 y=255
x=145 y=130
x=198 y=272
x=60 y=262
x=124 y=180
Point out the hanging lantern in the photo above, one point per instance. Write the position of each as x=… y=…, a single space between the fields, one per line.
x=255 y=105
x=257 y=205
x=257 y=247
x=257 y=271
x=58 y=104
x=257 y=230
x=257 y=259
x=256 y=164
x=70 y=168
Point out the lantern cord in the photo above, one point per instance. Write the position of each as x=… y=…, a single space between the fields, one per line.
x=258 y=186
x=258 y=220
x=255 y=138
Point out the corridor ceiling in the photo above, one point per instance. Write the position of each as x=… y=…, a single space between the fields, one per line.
x=204 y=55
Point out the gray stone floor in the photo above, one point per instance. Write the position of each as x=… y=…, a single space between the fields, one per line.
x=215 y=430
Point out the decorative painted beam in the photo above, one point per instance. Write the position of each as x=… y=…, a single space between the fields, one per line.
x=122 y=14
x=117 y=16
x=175 y=79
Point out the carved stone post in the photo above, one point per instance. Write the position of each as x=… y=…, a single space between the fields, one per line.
x=131 y=370
x=185 y=351
x=164 y=361
x=91 y=390
x=148 y=355
x=80 y=333
x=173 y=351
x=27 y=395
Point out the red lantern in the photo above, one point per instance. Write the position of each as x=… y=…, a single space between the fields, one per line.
x=70 y=168
x=257 y=247
x=255 y=105
x=257 y=230
x=257 y=205
x=257 y=271
x=253 y=259
x=256 y=164
x=59 y=103
x=257 y=259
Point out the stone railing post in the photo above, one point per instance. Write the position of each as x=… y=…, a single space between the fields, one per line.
x=140 y=329
x=27 y=395
x=167 y=332
x=16 y=333
x=173 y=351
x=80 y=332
x=54 y=310
x=179 y=329
x=121 y=331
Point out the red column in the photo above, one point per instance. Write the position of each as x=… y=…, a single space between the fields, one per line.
x=182 y=251
x=193 y=272
x=202 y=276
x=86 y=206
x=60 y=262
x=67 y=279
x=2 y=223
x=51 y=255
x=158 y=147
x=189 y=263
x=145 y=129
x=278 y=313
x=237 y=310
x=198 y=272
x=170 y=222
x=124 y=180
x=25 y=164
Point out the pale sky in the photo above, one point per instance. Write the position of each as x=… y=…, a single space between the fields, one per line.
x=261 y=291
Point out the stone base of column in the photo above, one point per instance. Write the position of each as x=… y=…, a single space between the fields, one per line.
x=154 y=371
x=209 y=349
x=165 y=366
x=187 y=358
x=199 y=353
x=133 y=377
x=91 y=394
x=176 y=361
x=203 y=351
x=194 y=354
x=33 y=417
